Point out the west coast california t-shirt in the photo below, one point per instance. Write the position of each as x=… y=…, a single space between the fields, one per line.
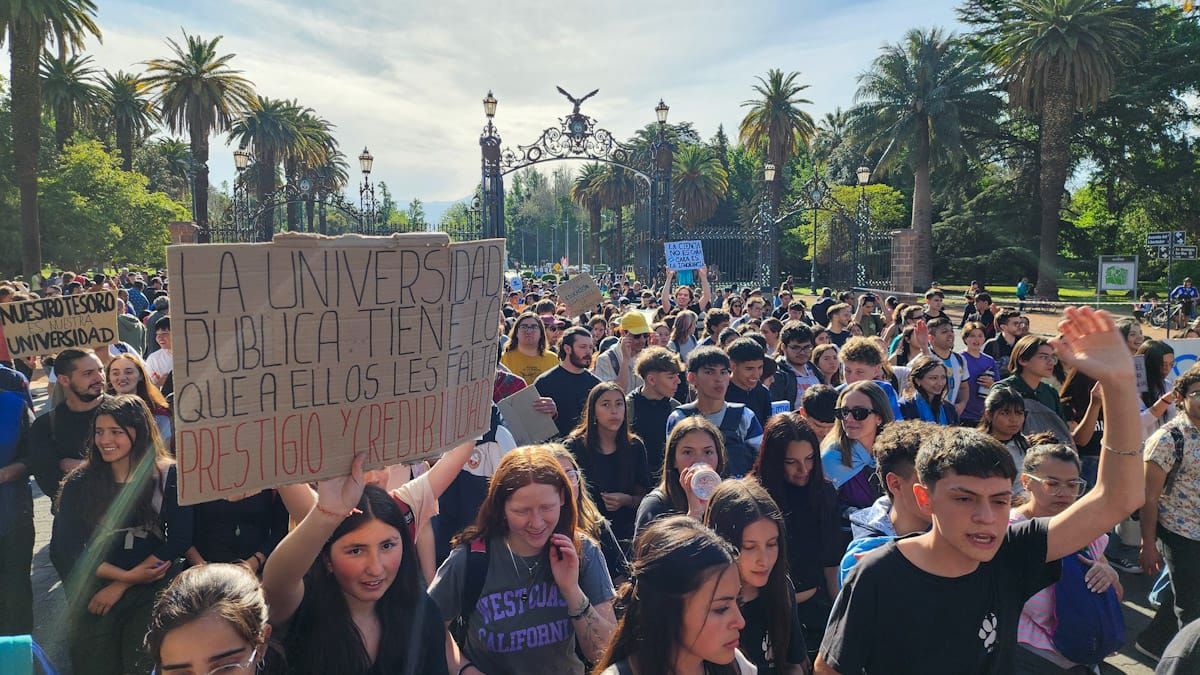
x=520 y=626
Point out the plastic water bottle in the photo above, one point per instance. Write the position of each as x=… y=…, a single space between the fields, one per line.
x=704 y=481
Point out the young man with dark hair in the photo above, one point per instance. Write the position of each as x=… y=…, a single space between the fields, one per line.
x=708 y=372
x=866 y=316
x=569 y=382
x=648 y=406
x=58 y=440
x=895 y=514
x=1033 y=360
x=934 y=300
x=816 y=408
x=839 y=323
x=715 y=321
x=1000 y=346
x=983 y=312
x=820 y=308
x=962 y=585
x=746 y=358
x=941 y=345
x=796 y=372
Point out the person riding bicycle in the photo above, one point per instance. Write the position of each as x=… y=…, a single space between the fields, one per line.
x=1186 y=294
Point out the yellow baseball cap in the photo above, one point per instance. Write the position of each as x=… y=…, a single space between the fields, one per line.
x=635 y=324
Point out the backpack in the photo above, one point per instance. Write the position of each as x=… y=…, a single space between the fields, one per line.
x=476 y=574
x=406 y=512
x=740 y=454
x=1089 y=626
x=1177 y=437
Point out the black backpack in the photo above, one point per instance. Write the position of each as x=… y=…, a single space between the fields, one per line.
x=476 y=574
x=740 y=453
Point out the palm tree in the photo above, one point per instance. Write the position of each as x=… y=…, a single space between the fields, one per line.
x=1057 y=57
x=776 y=128
x=70 y=91
x=585 y=192
x=831 y=133
x=198 y=92
x=617 y=189
x=698 y=183
x=270 y=129
x=313 y=146
x=26 y=24
x=130 y=111
x=922 y=98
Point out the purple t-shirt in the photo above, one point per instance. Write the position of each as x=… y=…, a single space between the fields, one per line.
x=976 y=366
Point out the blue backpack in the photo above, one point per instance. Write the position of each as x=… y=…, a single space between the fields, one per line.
x=1090 y=625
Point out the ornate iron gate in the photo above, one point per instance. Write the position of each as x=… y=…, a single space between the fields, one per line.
x=858 y=256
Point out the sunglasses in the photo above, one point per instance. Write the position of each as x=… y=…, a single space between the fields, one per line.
x=858 y=414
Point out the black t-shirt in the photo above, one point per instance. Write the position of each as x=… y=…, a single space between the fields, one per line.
x=614 y=473
x=954 y=626
x=60 y=434
x=820 y=310
x=648 y=419
x=814 y=536
x=838 y=339
x=758 y=400
x=755 y=642
x=569 y=391
x=1000 y=350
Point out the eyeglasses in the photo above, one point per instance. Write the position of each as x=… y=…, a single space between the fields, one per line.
x=528 y=327
x=229 y=668
x=1071 y=488
x=799 y=348
x=858 y=414
x=1048 y=358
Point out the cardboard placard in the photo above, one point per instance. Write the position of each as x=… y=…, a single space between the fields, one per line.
x=293 y=356
x=527 y=425
x=580 y=294
x=684 y=255
x=1139 y=373
x=50 y=325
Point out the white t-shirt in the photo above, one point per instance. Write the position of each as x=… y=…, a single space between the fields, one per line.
x=956 y=374
x=160 y=363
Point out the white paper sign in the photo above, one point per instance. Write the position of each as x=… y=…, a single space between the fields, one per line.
x=684 y=255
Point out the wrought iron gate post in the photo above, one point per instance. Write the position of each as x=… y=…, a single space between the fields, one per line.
x=492 y=185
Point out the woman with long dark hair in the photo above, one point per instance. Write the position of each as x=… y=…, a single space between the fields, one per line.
x=547 y=581
x=789 y=467
x=118 y=532
x=1158 y=399
x=694 y=445
x=681 y=605
x=925 y=393
x=1003 y=418
x=744 y=514
x=613 y=459
x=211 y=619
x=344 y=587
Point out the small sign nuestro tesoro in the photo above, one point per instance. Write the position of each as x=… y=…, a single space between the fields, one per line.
x=50 y=325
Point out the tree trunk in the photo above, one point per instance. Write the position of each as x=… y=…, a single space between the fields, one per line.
x=64 y=125
x=125 y=145
x=922 y=210
x=24 y=46
x=619 y=240
x=199 y=143
x=1057 y=116
x=594 y=246
x=266 y=187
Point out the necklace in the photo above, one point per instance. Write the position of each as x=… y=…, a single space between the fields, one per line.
x=530 y=570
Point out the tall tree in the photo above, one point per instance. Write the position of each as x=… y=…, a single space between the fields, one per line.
x=617 y=189
x=585 y=192
x=1057 y=57
x=699 y=181
x=26 y=24
x=199 y=93
x=71 y=92
x=130 y=111
x=270 y=129
x=776 y=128
x=921 y=98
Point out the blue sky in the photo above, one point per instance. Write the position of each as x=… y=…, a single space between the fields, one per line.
x=406 y=78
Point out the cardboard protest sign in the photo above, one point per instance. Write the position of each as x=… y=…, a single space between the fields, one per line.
x=580 y=294
x=50 y=325
x=684 y=255
x=292 y=356
x=527 y=425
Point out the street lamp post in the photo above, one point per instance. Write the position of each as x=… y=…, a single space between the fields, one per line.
x=241 y=201
x=766 y=257
x=816 y=190
x=492 y=183
x=864 y=220
x=368 y=207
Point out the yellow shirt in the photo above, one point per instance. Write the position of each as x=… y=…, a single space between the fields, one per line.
x=528 y=367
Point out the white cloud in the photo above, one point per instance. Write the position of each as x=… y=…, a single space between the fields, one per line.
x=406 y=78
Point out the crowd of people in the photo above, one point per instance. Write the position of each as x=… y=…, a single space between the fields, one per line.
x=740 y=482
